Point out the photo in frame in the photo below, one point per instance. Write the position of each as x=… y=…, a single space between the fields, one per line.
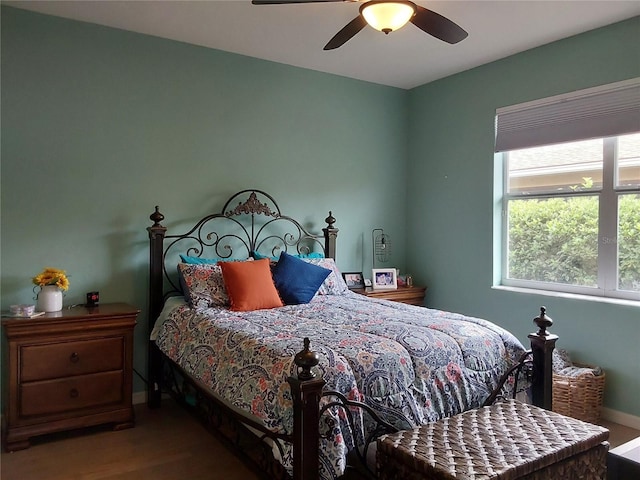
x=353 y=279
x=384 y=278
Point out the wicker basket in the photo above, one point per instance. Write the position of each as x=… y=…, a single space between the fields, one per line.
x=580 y=396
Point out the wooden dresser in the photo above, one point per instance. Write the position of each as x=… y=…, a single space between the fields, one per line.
x=68 y=369
x=412 y=295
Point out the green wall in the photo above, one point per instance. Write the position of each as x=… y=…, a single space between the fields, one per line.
x=100 y=125
x=452 y=204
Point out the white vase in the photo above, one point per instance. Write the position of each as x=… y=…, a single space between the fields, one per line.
x=49 y=299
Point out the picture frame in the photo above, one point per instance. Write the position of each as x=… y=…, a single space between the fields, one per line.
x=384 y=278
x=353 y=279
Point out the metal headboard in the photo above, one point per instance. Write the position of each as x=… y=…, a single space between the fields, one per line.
x=249 y=222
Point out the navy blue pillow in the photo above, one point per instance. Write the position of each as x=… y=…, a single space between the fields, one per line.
x=296 y=280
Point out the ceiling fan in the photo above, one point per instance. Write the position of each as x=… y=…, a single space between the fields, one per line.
x=387 y=16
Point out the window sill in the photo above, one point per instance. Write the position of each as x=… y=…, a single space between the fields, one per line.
x=569 y=296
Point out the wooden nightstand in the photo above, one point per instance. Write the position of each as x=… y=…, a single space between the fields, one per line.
x=411 y=295
x=68 y=369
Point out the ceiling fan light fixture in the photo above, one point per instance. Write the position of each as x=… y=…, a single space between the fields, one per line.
x=387 y=16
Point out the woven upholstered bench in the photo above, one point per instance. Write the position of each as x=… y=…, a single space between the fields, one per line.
x=507 y=440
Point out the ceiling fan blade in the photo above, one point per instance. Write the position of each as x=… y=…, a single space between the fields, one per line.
x=438 y=26
x=347 y=32
x=284 y=2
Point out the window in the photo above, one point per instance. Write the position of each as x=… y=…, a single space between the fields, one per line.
x=571 y=209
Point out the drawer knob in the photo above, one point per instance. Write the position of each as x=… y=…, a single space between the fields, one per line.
x=73 y=393
x=75 y=358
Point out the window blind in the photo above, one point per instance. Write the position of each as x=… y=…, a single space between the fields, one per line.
x=603 y=111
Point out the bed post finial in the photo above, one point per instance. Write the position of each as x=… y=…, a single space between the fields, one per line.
x=543 y=322
x=156 y=217
x=305 y=360
x=330 y=220
x=542 y=345
x=330 y=235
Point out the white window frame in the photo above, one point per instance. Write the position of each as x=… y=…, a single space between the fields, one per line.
x=599 y=112
x=607 y=280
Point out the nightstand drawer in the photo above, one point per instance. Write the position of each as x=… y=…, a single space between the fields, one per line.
x=42 y=362
x=55 y=396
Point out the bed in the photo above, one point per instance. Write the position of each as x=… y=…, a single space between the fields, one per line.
x=226 y=348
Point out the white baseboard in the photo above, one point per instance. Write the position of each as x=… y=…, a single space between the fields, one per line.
x=139 y=397
x=621 y=418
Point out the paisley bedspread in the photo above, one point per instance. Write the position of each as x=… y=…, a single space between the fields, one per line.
x=411 y=364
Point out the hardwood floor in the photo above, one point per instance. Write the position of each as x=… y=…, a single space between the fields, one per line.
x=166 y=444
x=619 y=434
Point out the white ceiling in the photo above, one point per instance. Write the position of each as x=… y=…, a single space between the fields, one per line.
x=295 y=34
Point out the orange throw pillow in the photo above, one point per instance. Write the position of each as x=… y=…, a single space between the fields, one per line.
x=250 y=285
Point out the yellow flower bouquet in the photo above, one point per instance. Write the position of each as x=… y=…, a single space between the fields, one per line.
x=52 y=276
